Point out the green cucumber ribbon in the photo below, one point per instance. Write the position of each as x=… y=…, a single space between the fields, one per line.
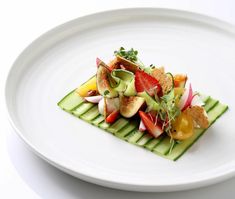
x=122 y=81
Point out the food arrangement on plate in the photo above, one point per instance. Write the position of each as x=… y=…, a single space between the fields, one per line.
x=145 y=106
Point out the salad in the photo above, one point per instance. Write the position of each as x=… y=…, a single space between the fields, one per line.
x=146 y=106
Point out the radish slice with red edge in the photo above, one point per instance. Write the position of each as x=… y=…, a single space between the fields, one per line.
x=186 y=99
x=94 y=99
x=197 y=101
x=142 y=126
x=98 y=60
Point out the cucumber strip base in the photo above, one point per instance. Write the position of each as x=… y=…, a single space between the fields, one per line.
x=127 y=129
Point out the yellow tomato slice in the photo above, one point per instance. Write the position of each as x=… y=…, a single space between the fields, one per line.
x=182 y=127
x=87 y=86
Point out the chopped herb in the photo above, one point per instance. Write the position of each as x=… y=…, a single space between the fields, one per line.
x=106 y=92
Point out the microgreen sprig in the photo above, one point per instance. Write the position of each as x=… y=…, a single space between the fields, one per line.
x=130 y=55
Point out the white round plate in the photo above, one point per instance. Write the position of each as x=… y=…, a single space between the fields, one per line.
x=64 y=57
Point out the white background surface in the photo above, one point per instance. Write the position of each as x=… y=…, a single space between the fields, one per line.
x=24 y=175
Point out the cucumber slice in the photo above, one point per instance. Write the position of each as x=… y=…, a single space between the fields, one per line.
x=91 y=114
x=163 y=147
x=130 y=90
x=216 y=112
x=135 y=136
x=97 y=120
x=182 y=147
x=83 y=108
x=151 y=103
x=126 y=130
x=153 y=143
x=205 y=98
x=104 y=125
x=119 y=124
x=70 y=101
x=210 y=104
x=142 y=141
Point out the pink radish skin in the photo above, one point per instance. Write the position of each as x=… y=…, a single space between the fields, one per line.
x=98 y=61
x=189 y=99
x=186 y=99
x=94 y=99
x=142 y=126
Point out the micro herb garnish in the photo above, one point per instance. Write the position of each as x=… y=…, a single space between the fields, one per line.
x=130 y=55
x=173 y=143
x=168 y=111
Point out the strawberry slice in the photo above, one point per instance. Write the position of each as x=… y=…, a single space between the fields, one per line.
x=146 y=82
x=152 y=128
x=112 y=117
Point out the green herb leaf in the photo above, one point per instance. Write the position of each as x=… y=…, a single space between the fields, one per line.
x=106 y=92
x=130 y=55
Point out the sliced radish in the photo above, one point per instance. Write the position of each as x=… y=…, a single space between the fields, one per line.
x=197 y=100
x=98 y=61
x=142 y=126
x=101 y=106
x=186 y=99
x=94 y=99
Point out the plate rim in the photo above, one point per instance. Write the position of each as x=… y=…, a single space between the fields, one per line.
x=112 y=183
